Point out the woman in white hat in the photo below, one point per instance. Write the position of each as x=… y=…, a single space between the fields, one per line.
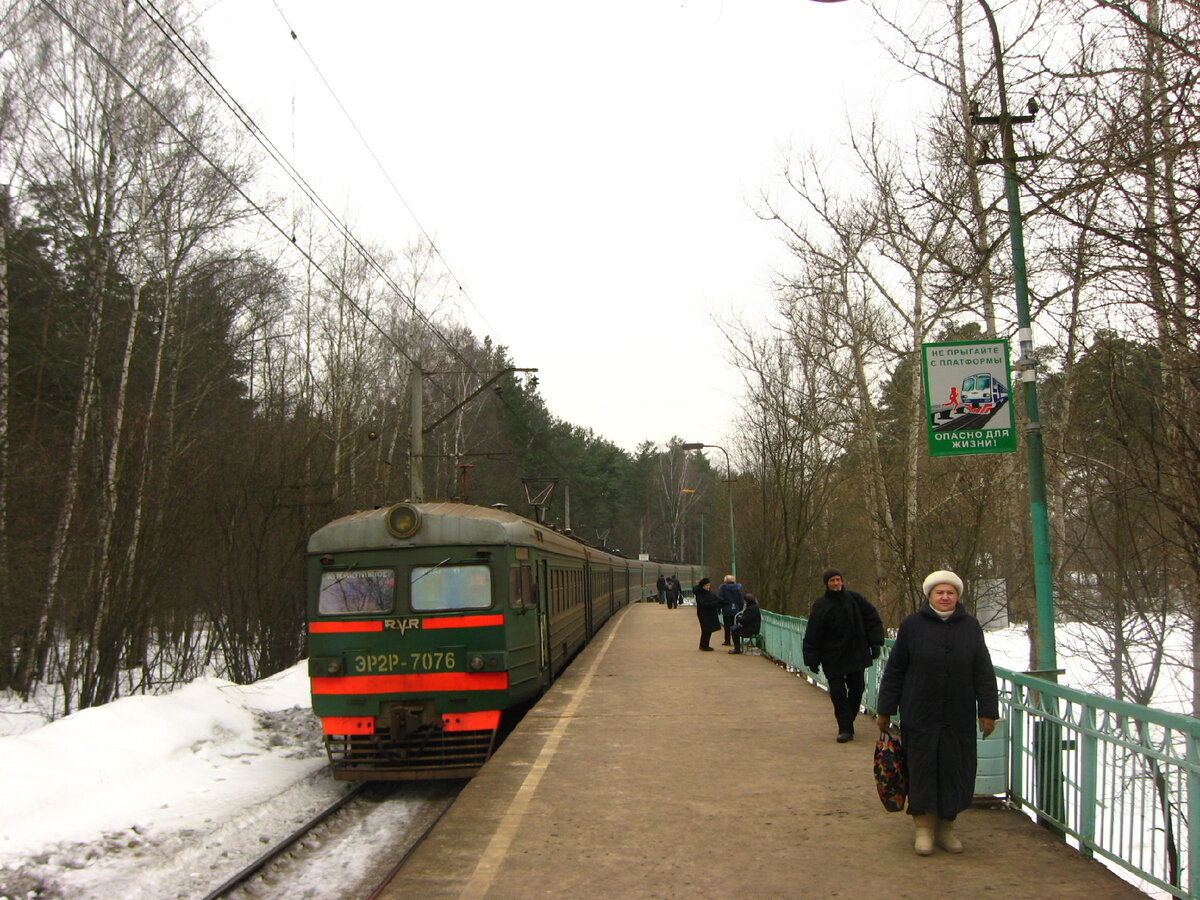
x=939 y=677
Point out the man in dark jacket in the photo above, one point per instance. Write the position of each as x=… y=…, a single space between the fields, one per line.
x=844 y=633
x=661 y=584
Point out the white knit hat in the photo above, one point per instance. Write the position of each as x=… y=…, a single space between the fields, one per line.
x=941 y=576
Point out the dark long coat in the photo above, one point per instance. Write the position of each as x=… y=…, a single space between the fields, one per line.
x=939 y=677
x=842 y=629
x=708 y=607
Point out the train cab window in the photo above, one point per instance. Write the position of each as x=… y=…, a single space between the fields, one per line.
x=521 y=587
x=357 y=591
x=437 y=588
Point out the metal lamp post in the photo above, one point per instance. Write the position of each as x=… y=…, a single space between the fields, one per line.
x=1043 y=587
x=729 y=483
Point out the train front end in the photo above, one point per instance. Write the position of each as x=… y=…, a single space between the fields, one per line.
x=411 y=640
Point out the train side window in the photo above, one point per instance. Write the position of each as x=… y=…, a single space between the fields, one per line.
x=520 y=587
x=357 y=591
x=435 y=588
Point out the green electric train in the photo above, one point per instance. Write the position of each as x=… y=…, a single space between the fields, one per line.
x=429 y=621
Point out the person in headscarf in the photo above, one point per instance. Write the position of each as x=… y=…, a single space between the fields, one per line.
x=843 y=634
x=939 y=677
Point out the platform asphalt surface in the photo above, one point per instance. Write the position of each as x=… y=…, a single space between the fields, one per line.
x=654 y=770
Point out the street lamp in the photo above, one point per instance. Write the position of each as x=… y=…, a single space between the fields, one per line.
x=1043 y=587
x=729 y=482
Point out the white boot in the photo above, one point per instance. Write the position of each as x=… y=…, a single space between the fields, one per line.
x=924 y=841
x=944 y=835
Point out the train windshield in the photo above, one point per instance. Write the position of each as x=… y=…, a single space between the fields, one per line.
x=357 y=591
x=451 y=587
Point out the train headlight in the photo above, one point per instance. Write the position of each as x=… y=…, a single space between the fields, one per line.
x=403 y=520
x=476 y=664
x=324 y=666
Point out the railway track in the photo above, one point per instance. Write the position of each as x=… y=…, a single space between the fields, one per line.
x=344 y=831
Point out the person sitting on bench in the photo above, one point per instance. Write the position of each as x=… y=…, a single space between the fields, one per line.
x=749 y=620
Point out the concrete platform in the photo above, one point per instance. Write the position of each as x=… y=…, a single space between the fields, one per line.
x=653 y=770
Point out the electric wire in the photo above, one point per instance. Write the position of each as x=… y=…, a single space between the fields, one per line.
x=379 y=164
x=247 y=122
x=198 y=64
x=194 y=60
x=112 y=67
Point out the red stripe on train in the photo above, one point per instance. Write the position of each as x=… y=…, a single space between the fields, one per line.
x=453 y=622
x=348 y=725
x=396 y=684
x=336 y=627
x=484 y=720
x=463 y=622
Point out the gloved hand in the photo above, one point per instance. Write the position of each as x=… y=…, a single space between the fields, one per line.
x=875 y=651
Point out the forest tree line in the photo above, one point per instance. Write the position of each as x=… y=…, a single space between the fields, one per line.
x=194 y=380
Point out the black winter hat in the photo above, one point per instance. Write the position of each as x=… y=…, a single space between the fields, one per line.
x=829 y=573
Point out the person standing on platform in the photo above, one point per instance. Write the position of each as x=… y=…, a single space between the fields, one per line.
x=939 y=677
x=661 y=584
x=708 y=611
x=844 y=633
x=732 y=602
x=672 y=592
x=748 y=623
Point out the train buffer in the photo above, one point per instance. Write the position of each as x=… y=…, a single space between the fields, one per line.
x=650 y=769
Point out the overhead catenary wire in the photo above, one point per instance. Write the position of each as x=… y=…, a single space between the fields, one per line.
x=379 y=164
x=176 y=41
x=257 y=207
x=197 y=63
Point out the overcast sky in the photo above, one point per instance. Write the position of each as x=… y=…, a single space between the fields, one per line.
x=589 y=171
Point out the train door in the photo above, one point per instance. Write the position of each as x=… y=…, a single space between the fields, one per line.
x=542 y=575
x=589 y=593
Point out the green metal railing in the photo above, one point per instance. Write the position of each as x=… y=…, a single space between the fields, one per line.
x=1117 y=780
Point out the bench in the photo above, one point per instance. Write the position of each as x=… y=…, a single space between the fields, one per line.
x=752 y=644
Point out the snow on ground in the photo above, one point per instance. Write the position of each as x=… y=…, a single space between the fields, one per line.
x=143 y=771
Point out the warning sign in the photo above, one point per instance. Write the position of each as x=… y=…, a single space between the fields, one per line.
x=967 y=398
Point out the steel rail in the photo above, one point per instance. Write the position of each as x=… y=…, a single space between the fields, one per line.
x=253 y=868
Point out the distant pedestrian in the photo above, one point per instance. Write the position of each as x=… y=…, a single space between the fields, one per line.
x=661 y=584
x=732 y=602
x=939 y=677
x=749 y=622
x=708 y=611
x=673 y=592
x=844 y=633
